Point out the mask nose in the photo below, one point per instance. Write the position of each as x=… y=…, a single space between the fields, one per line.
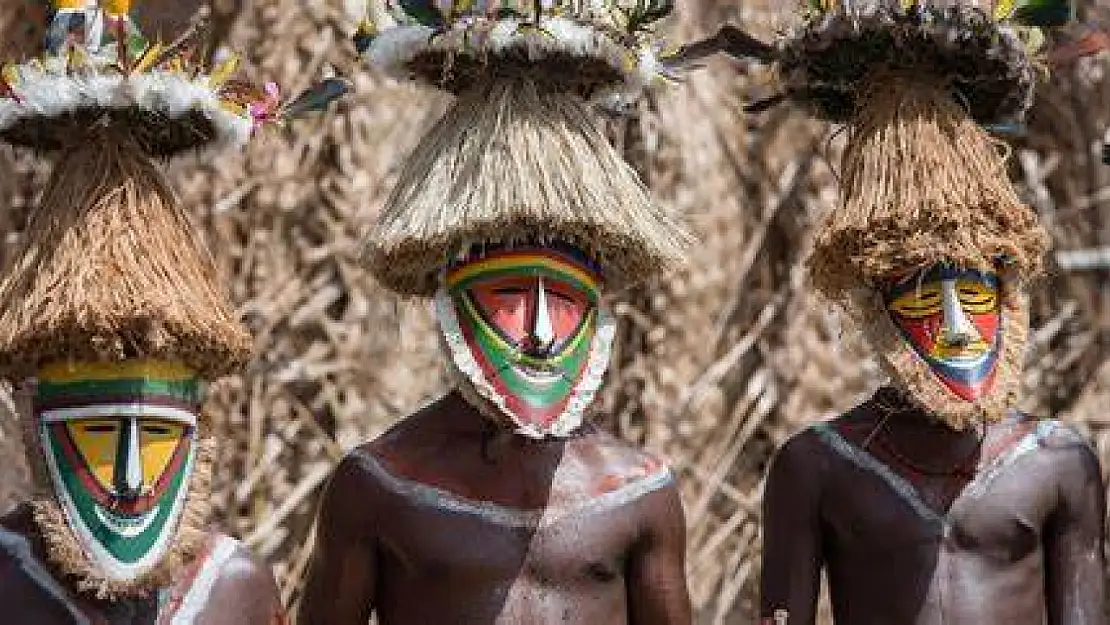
x=128 y=474
x=958 y=331
x=541 y=334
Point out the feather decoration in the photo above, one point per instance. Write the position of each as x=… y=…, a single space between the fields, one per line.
x=316 y=98
x=364 y=36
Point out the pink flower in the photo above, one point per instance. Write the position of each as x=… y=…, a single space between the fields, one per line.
x=263 y=111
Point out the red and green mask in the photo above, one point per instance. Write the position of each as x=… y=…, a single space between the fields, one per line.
x=952 y=319
x=524 y=326
x=119 y=442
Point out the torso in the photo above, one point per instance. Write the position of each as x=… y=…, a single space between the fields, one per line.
x=32 y=593
x=522 y=532
x=904 y=547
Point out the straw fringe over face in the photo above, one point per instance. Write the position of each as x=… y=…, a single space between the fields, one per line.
x=64 y=551
x=913 y=375
x=511 y=161
x=921 y=183
x=110 y=234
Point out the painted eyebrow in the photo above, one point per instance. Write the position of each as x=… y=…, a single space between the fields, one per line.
x=562 y=296
x=101 y=427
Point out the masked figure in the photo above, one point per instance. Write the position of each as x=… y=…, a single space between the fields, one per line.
x=525 y=330
x=514 y=215
x=936 y=501
x=111 y=321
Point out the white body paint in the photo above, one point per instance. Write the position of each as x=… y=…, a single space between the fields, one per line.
x=906 y=491
x=435 y=497
x=196 y=599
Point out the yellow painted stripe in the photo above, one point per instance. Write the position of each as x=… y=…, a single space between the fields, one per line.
x=126 y=370
x=515 y=262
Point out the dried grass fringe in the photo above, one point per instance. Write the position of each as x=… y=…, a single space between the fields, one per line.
x=513 y=161
x=912 y=374
x=921 y=183
x=112 y=270
x=64 y=551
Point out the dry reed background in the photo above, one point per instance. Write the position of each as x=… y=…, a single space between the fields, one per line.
x=716 y=366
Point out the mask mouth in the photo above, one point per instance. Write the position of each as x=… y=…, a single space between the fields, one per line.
x=126 y=525
x=966 y=355
x=541 y=377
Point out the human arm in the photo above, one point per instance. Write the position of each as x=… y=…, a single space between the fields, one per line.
x=244 y=594
x=656 y=572
x=342 y=578
x=1074 y=539
x=792 y=555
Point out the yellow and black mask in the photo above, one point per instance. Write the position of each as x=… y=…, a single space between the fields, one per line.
x=119 y=443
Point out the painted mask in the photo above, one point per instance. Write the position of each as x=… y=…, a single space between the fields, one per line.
x=119 y=443
x=524 y=326
x=952 y=319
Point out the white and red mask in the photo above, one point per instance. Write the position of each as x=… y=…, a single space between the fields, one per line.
x=525 y=328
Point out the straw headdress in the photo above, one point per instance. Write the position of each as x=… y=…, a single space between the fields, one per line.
x=918 y=83
x=111 y=268
x=520 y=155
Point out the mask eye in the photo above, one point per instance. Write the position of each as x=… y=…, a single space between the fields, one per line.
x=918 y=303
x=977 y=298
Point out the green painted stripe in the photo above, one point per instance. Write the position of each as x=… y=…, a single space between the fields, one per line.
x=490 y=336
x=183 y=390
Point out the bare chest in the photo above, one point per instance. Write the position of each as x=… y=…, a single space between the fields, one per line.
x=997 y=516
x=437 y=536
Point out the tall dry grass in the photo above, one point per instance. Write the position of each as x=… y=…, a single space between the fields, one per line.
x=716 y=366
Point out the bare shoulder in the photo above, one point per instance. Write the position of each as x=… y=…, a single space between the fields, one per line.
x=244 y=590
x=427 y=432
x=616 y=460
x=1066 y=448
x=814 y=443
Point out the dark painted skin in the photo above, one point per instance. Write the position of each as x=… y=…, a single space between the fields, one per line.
x=413 y=563
x=244 y=594
x=1026 y=549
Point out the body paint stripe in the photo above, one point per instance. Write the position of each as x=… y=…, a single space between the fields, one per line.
x=146 y=410
x=435 y=497
x=1027 y=443
x=18 y=547
x=196 y=599
x=867 y=462
x=902 y=487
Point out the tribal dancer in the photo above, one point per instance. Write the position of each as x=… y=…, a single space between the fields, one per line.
x=111 y=320
x=500 y=503
x=935 y=501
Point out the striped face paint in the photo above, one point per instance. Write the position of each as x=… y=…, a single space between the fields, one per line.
x=119 y=443
x=525 y=328
x=952 y=319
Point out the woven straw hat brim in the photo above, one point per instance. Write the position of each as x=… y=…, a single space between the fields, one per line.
x=513 y=161
x=827 y=61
